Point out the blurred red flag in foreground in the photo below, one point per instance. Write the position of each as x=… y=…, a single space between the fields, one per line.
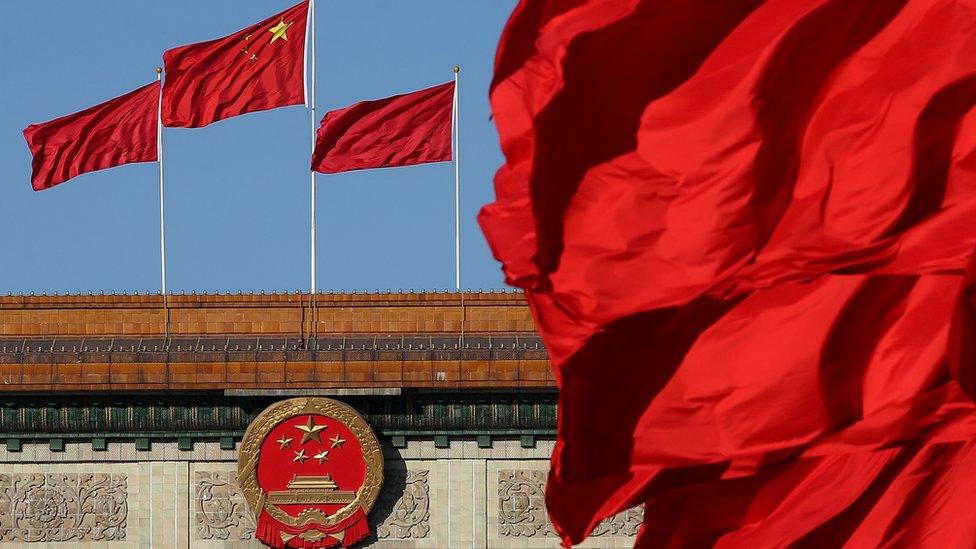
x=743 y=228
x=116 y=132
x=403 y=130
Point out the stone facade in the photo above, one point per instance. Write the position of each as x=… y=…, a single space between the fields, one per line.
x=459 y=496
x=122 y=414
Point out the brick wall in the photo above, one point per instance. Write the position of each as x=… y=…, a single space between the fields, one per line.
x=73 y=320
x=259 y=314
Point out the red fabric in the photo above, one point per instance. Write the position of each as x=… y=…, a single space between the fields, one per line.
x=353 y=529
x=116 y=132
x=743 y=228
x=210 y=81
x=403 y=130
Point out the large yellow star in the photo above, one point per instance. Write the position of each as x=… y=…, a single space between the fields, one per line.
x=278 y=31
x=310 y=431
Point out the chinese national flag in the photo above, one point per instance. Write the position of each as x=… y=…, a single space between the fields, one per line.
x=261 y=67
x=403 y=130
x=745 y=229
x=116 y=132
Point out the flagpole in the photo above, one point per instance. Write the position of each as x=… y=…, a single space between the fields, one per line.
x=311 y=105
x=457 y=185
x=162 y=215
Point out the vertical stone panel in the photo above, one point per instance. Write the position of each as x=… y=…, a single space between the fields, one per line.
x=465 y=502
x=164 y=492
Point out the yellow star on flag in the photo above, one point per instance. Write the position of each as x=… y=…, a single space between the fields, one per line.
x=310 y=431
x=337 y=441
x=278 y=31
x=300 y=456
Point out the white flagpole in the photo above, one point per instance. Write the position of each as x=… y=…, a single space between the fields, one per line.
x=457 y=185
x=311 y=106
x=162 y=210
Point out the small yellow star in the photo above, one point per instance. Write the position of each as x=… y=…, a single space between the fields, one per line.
x=300 y=456
x=310 y=431
x=278 y=31
x=284 y=442
x=254 y=57
x=322 y=456
x=337 y=441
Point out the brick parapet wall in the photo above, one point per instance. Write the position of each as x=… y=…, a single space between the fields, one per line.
x=435 y=340
x=261 y=314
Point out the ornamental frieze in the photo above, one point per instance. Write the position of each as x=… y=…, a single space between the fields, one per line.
x=522 y=503
x=522 y=508
x=626 y=523
x=405 y=504
x=221 y=512
x=63 y=507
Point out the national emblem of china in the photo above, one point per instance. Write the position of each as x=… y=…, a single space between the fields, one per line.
x=310 y=469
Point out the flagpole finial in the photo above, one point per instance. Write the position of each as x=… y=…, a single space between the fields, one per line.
x=457 y=69
x=159 y=70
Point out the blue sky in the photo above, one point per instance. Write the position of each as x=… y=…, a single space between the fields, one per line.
x=237 y=200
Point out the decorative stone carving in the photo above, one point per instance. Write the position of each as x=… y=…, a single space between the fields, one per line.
x=221 y=512
x=407 y=512
x=63 y=507
x=522 y=503
x=622 y=524
x=522 y=508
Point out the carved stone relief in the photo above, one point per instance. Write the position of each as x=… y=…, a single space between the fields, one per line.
x=63 y=507
x=404 y=502
x=521 y=503
x=622 y=524
x=522 y=508
x=221 y=512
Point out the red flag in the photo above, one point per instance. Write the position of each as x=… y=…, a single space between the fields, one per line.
x=403 y=130
x=742 y=227
x=116 y=132
x=261 y=67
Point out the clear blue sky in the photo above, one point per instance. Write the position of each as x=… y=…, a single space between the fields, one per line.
x=237 y=191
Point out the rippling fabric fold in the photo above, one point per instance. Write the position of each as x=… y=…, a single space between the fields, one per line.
x=744 y=229
x=258 y=68
x=117 y=132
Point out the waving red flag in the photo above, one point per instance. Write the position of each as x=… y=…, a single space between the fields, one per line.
x=403 y=130
x=116 y=132
x=261 y=67
x=743 y=228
